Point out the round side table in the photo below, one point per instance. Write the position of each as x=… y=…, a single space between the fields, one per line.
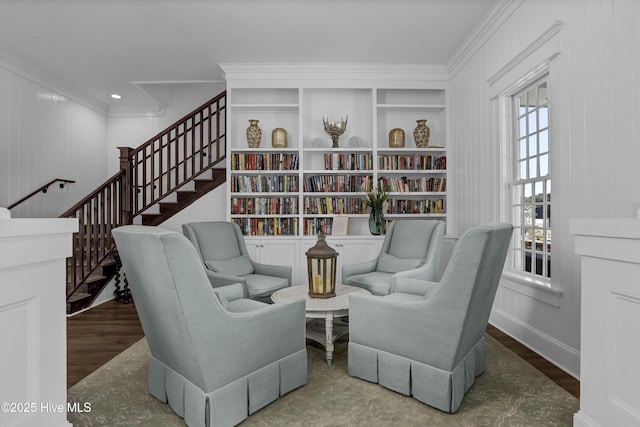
x=324 y=332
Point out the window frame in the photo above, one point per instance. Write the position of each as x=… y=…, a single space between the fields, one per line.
x=526 y=178
x=508 y=136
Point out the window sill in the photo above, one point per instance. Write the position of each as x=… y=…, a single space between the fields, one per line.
x=536 y=289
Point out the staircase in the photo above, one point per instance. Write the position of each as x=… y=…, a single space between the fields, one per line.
x=185 y=197
x=156 y=180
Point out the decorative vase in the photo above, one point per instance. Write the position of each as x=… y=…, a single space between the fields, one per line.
x=376 y=222
x=396 y=138
x=254 y=134
x=421 y=134
x=279 y=138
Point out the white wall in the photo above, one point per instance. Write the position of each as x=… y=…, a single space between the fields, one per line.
x=210 y=207
x=596 y=162
x=45 y=135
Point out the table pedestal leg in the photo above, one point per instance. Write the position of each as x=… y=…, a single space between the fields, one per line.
x=329 y=340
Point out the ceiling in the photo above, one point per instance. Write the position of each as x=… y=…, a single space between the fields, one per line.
x=99 y=47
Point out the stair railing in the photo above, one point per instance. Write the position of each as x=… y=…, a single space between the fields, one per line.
x=149 y=173
x=97 y=214
x=42 y=188
x=174 y=157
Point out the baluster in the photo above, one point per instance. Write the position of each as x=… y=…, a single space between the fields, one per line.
x=124 y=294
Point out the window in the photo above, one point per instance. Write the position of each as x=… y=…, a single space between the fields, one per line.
x=531 y=181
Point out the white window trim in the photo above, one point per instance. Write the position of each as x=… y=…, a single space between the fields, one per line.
x=515 y=176
x=531 y=287
x=530 y=65
x=507 y=133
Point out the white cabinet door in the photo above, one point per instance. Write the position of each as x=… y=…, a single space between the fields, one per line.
x=350 y=251
x=281 y=252
x=305 y=245
x=353 y=251
x=253 y=247
x=276 y=252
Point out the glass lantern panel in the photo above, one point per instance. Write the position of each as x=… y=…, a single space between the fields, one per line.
x=322 y=274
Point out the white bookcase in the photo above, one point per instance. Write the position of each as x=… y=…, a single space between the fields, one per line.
x=296 y=191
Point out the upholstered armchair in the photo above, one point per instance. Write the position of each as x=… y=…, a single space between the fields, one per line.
x=222 y=249
x=411 y=249
x=213 y=360
x=426 y=339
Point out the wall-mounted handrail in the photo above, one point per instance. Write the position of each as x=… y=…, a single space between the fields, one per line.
x=42 y=188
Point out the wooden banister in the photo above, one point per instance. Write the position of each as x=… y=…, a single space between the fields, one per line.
x=175 y=156
x=42 y=188
x=149 y=173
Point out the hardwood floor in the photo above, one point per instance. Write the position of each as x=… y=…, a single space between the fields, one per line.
x=97 y=335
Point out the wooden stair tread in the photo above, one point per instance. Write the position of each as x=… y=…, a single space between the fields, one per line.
x=184 y=198
x=78 y=296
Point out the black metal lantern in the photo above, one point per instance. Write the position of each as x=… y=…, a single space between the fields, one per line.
x=321 y=266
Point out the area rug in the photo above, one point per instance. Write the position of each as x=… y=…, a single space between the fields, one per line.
x=510 y=393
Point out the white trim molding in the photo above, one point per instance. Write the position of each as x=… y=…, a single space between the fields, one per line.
x=489 y=24
x=26 y=71
x=137 y=111
x=558 y=353
x=347 y=75
x=609 y=252
x=532 y=288
x=533 y=61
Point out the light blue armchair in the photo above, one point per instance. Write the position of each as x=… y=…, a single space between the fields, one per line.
x=213 y=360
x=222 y=249
x=426 y=339
x=411 y=249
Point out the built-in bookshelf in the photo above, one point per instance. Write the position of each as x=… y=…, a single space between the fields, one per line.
x=416 y=182
x=298 y=190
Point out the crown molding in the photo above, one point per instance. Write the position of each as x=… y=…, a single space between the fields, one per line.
x=140 y=85
x=327 y=71
x=490 y=23
x=547 y=35
x=26 y=71
x=158 y=111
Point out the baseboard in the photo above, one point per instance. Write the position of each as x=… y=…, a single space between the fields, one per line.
x=107 y=294
x=582 y=420
x=556 y=352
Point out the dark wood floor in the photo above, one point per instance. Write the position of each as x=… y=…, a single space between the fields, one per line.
x=97 y=335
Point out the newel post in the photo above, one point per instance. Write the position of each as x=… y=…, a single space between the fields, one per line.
x=126 y=191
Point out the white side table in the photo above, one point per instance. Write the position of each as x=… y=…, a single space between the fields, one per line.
x=318 y=308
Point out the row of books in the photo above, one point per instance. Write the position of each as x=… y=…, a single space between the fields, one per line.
x=264 y=205
x=314 y=226
x=267 y=226
x=264 y=161
x=334 y=205
x=264 y=184
x=338 y=183
x=409 y=185
x=348 y=161
x=411 y=162
x=401 y=206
